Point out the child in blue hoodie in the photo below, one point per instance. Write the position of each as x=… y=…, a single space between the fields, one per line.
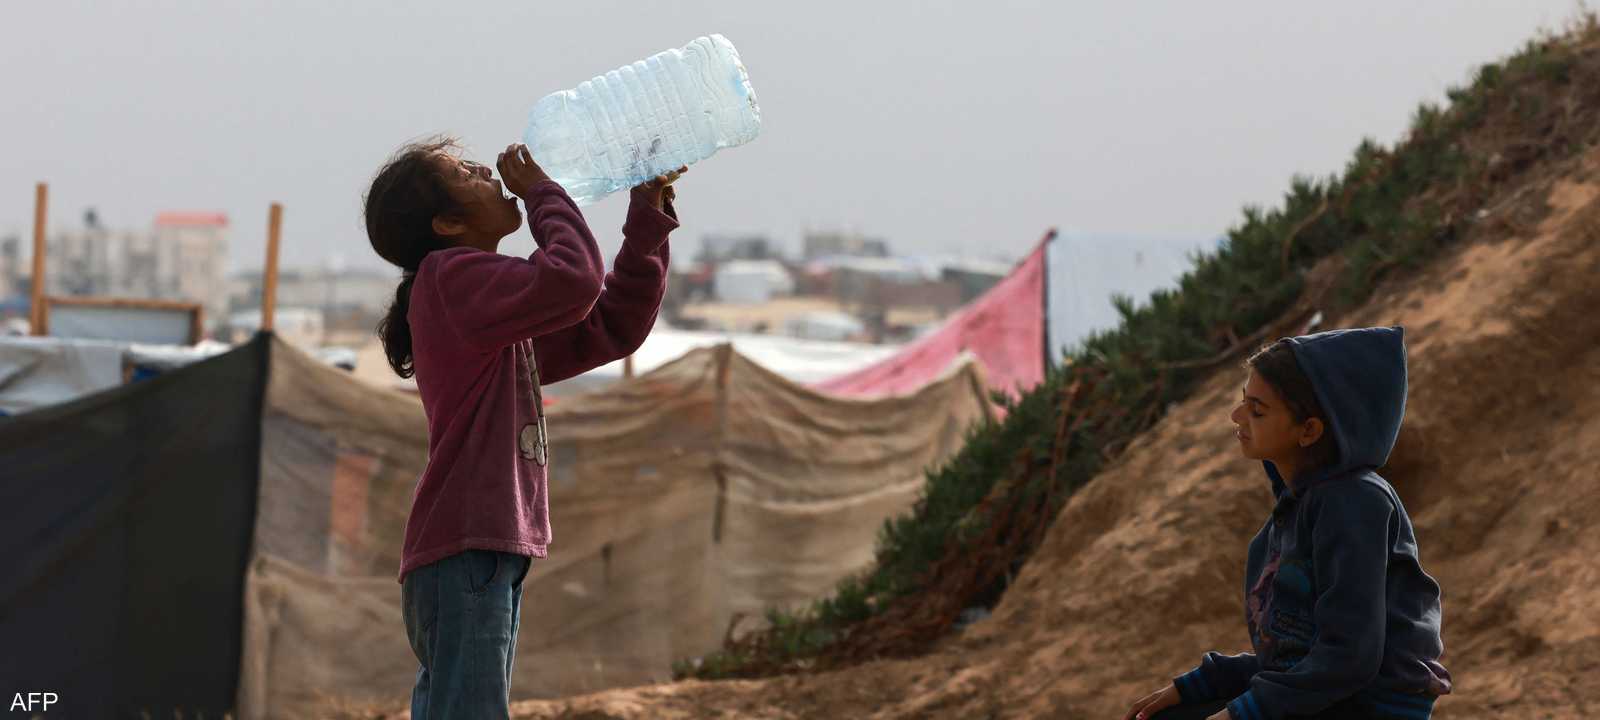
x=1343 y=621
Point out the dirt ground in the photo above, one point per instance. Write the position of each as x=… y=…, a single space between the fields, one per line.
x=1498 y=464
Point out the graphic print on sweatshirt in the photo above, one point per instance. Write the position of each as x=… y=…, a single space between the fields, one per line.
x=1282 y=636
x=533 y=441
x=1291 y=628
x=1257 y=604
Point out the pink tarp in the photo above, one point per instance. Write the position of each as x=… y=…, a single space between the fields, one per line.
x=1004 y=328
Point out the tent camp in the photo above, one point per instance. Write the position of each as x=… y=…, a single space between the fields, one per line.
x=1004 y=329
x=1053 y=298
x=38 y=372
x=797 y=359
x=225 y=535
x=1082 y=273
x=800 y=360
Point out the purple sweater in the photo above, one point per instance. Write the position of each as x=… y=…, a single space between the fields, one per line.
x=487 y=331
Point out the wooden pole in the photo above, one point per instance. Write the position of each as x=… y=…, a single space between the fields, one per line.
x=627 y=368
x=269 y=278
x=41 y=200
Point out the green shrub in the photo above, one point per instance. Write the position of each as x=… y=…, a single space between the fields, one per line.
x=1390 y=209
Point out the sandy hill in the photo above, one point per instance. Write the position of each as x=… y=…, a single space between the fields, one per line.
x=1498 y=464
x=1498 y=461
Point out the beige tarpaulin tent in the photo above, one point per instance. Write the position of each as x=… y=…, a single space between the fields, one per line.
x=705 y=488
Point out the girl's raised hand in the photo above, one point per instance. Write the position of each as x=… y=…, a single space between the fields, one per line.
x=659 y=190
x=518 y=171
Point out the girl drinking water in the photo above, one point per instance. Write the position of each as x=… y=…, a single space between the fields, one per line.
x=481 y=332
x=1343 y=621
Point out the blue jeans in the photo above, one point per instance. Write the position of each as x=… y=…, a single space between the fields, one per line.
x=461 y=618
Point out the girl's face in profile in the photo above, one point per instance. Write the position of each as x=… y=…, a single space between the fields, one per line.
x=1264 y=425
x=488 y=212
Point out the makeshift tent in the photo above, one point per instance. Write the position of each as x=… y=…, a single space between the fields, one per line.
x=796 y=359
x=1083 y=273
x=707 y=488
x=38 y=372
x=125 y=521
x=1053 y=298
x=1004 y=329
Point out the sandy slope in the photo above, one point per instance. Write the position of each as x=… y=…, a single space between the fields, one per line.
x=1498 y=463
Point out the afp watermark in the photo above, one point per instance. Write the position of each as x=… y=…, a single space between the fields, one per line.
x=34 y=701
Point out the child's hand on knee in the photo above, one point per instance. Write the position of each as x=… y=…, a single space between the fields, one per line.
x=1146 y=707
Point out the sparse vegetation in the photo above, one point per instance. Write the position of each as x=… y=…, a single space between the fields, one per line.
x=1324 y=248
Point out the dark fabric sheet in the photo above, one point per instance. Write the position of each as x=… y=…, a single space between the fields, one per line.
x=125 y=526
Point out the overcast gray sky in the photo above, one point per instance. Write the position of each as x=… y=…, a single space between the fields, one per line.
x=957 y=127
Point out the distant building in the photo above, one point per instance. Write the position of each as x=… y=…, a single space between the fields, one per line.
x=190 y=255
x=825 y=244
x=303 y=327
x=836 y=326
x=181 y=258
x=852 y=271
x=368 y=291
x=975 y=277
x=348 y=299
x=751 y=282
x=89 y=261
x=875 y=286
x=14 y=286
x=12 y=281
x=721 y=248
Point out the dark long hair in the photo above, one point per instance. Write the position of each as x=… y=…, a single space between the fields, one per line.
x=1276 y=364
x=407 y=193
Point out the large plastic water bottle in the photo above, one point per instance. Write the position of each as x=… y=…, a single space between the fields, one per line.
x=622 y=128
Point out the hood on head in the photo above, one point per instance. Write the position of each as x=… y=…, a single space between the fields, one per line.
x=1360 y=379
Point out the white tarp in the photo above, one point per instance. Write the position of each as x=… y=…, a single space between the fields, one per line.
x=1083 y=274
x=39 y=371
x=795 y=359
x=798 y=360
x=751 y=282
x=122 y=324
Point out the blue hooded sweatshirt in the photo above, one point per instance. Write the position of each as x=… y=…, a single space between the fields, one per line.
x=1339 y=609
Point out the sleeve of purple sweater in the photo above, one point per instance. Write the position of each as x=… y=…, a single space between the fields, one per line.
x=494 y=300
x=628 y=304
